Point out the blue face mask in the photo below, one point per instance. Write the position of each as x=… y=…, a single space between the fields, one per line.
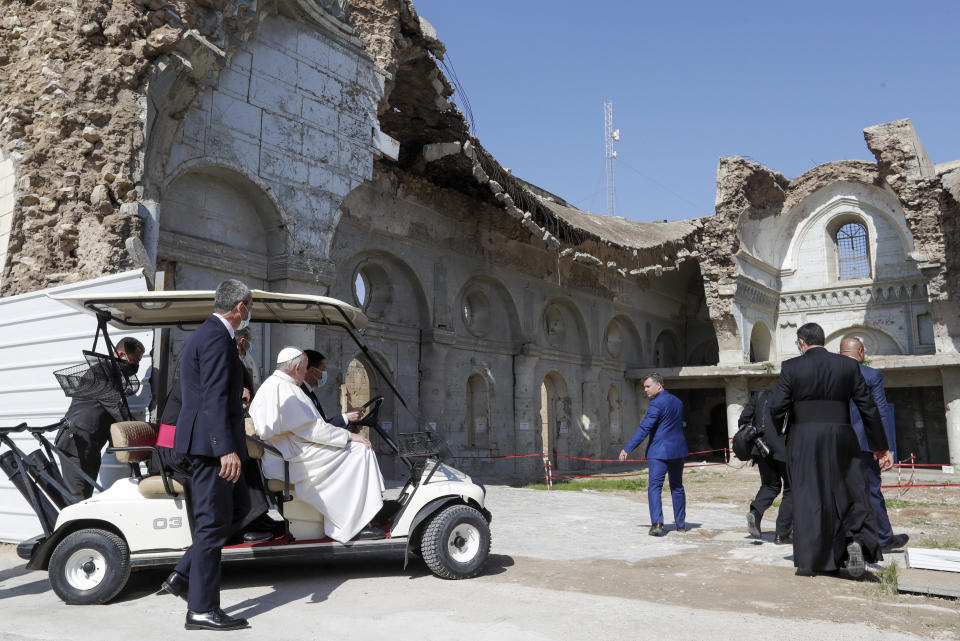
x=323 y=379
x=244 y=323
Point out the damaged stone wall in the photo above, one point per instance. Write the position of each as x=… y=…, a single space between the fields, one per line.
x=72 y=112
x=748 y=191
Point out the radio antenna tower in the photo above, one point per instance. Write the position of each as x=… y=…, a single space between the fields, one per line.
x=610 y=136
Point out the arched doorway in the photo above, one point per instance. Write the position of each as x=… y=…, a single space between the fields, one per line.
x=361 y=383
x=216 y=223
x=666 y=351
x=760 y=343
x=555 y=415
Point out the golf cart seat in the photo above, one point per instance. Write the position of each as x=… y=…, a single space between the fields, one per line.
x=134 y=442
x=304 y=521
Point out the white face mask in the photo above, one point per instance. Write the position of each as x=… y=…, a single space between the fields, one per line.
x=323 y=379
x=245 y=322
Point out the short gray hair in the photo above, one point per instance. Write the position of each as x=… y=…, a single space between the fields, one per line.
x=242 y=333
x=653 y=376
x=229 y=293
x=287 y=367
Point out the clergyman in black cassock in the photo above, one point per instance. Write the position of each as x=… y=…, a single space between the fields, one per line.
x=830 y=502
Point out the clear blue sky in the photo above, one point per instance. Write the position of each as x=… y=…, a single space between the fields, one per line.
x=789 y=85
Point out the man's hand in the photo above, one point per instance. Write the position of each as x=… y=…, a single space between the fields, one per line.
x=354 y=414
x=230 y=467
x=884 y=459
x=623 y=455
x=360 y=438
x=245 y=397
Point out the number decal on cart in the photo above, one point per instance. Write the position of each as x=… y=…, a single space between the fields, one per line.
x=162 y=523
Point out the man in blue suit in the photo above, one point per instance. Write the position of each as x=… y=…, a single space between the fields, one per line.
x=210 y=434
x=665 y=451
x=853 y=347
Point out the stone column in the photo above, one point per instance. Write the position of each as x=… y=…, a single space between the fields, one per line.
x=526 y=403
x=433 y=384
x=737 y=395
x=591 y=433
x=951 y=401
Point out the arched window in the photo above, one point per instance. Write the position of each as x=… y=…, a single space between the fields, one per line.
x=853 y=257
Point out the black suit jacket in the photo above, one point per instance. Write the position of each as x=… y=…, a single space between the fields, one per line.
x=758 y=411
x=819 y=375
x=336 y=420
x=211 y=386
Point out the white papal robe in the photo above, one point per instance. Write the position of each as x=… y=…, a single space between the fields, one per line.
x=339 y=477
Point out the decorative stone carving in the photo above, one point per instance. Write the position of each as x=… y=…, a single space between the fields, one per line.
x=614 y=342
x=874 y=293
x=554 y=325
x=476 y=312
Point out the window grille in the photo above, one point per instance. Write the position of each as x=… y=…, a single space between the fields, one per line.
x=852 y=252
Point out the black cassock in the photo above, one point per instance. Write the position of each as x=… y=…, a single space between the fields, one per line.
x=830 y=500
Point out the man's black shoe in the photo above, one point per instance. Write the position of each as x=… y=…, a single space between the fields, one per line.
x=215 y=619
x=782 y=540
x=255 y=536
x=656 y=529
x=804 y=572
x=176 y=584
x=682 y=528
x=856 y=565
x=753 y=525
x=897 y=541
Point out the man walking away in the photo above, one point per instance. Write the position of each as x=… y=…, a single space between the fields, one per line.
x=833 y=524
x=665 y=451
x=852 y=346
x=210 y=432
x=772 y=468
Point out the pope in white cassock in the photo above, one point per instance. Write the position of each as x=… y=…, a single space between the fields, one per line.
x=331 y=468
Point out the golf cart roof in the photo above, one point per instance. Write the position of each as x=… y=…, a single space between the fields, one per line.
x=133 y=310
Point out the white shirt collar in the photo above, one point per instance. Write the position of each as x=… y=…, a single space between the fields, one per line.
x=226 y=323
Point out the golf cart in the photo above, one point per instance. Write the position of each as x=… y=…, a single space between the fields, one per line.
x=89 y=547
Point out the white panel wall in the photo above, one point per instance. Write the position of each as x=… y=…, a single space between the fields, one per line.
x=37 y=336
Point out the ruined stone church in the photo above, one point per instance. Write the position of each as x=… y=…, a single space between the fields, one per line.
x=313 y=146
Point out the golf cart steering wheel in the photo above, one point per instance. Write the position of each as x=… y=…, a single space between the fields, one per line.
x=371 y=412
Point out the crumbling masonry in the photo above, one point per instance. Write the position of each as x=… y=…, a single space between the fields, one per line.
x=314 y=146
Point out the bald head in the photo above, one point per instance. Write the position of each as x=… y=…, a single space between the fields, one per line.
x=853 y=347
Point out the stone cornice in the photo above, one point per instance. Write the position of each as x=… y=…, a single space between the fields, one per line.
x=853 y=295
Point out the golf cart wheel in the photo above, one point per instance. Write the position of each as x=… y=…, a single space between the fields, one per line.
x=456 y=543
x=89 y=566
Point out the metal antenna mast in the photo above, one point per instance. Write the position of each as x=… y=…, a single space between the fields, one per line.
x=610 y=136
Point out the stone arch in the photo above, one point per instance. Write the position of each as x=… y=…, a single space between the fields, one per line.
x=761 y=340
x=876 y=342
x=563 y=327
x=556 y=415
x=843 y=207
x=359 y=381
x=8 y=183
x=218 y=223
x=500 y=320
x=666 y=350
x=395 y=293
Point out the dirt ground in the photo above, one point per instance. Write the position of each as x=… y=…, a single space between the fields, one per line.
x=723 y=569
x=564 y=565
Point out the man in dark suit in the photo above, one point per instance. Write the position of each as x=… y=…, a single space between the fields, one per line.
x=315 y=378
x=773 y=470
x=853 y=347
x=88 y=428
x=833 y=524
x=210 y=432
x=665 y=451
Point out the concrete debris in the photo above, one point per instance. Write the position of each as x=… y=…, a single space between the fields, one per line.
x=437 y=151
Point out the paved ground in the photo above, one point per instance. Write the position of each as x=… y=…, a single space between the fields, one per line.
x=564 y=565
